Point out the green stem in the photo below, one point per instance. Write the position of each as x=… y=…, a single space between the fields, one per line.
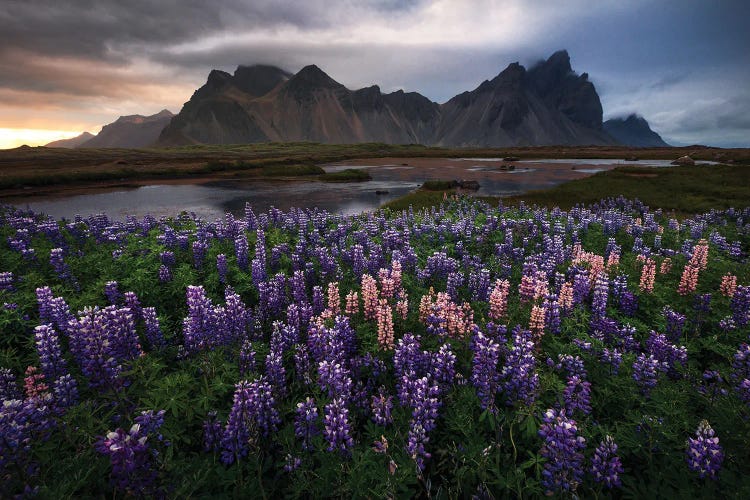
x=260 y=481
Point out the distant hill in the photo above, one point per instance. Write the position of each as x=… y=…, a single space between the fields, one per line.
x=633 y=131
x=133 y=131
x=548 y=104
x=73 y=142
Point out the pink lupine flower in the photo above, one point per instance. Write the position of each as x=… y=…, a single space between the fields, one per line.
x=666 y=266
x=385 y=325
x=700 y=255
x=352 y=303
x=369 y=296
x=565 y=298
x=33 y=383
x=536 y=323
x=334 y=298
x=689 y=280
x=402 y=306
x=613 y=260
x=499 y=300
x=648 y=276
x=728 y=285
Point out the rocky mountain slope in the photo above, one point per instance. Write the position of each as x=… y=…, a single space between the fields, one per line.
x=73 y=142
x=133 y=131
x=548 y=104
x=633 y=131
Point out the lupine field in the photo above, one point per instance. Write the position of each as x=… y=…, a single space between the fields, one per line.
x=460 y=351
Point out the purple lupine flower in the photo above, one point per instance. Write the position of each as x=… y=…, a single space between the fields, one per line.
x=337 y=429
x=704 y=454
x=425 y=404
x=382 y=406
x=64 y=392
x=552 y=314
x=198 y=327
x=563 y=449
x=6 y=281
x=235 y=319
x=276 y=373
x=112 y=292
x=443 y=366
x=669 y=355
x=211 y=432
x=302 y=364
x=165 y=274
x=484 y=373
x=711 y=385
x=258 y=271
x=247 y=358
x=675 y=323
x=743 y=389
x=221 y=267
x=132 y=460
x=153 y=333
x=606 y=466
x=21 y=423
x=199 y=253
x=8 y=386
x=131 y=301
x=573 y=365
x=577 y=396
x=334 y=378
x=44 y=299
x=646 y=372
x=306 y=422
x=167 y=258
x=253 y=415
x=241 y=249
x=741 y=372
x=50 y=354
x=57 y=261
x=518 y=376
x=612 y=357
x=292 y=463
x=101 y=340
x=740 y=305
x=599 y=297
x=318 y=300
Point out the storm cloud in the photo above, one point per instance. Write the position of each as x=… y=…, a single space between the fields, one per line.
x=683 y=65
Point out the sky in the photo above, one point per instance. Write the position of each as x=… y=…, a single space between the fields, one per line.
x=73 y=66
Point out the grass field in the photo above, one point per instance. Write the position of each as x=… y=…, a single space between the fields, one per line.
x=36 y=168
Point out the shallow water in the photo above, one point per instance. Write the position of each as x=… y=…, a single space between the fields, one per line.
x=210 y=200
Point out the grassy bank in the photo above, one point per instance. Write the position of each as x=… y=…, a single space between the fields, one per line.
x=348 y=175
x=682 y=189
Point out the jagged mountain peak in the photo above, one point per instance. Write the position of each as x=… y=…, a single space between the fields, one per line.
x=633 y=130
x=312 y=77
x=259 y=79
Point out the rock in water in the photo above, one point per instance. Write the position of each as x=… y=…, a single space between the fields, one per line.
x=684 y=160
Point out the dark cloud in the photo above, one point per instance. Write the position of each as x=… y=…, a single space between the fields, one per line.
x=666 y=60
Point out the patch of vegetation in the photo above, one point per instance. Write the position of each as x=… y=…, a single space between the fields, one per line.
x=291 y=170
x=348 y=175
x=438 y=185
x=419 y=199
x=686 y=189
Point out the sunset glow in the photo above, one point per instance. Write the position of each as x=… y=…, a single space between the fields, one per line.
x=14 y=137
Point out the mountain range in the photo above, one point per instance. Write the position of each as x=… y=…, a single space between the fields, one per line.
x=548 y=104
x=633 y=131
